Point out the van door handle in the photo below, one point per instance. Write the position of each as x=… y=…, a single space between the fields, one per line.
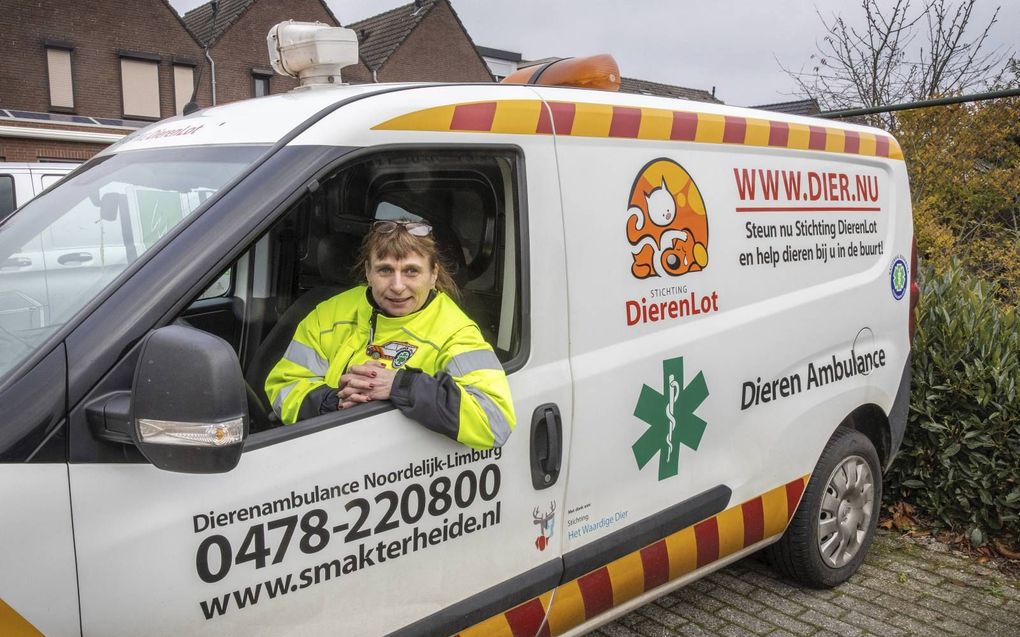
x=74 y=258
x=16 y=262
x=546 y=446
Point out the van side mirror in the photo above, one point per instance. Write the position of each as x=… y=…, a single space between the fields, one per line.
x=110 y=206
x=189 y=410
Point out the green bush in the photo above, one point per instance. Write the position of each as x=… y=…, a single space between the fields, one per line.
x=960 y=458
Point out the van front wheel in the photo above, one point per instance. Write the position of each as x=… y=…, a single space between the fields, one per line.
x=835 y=522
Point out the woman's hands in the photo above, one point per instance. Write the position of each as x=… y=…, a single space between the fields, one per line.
x=365 y=383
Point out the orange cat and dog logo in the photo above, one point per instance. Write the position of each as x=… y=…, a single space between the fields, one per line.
x=666 y=222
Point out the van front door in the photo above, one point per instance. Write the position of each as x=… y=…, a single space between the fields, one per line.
x=360 y=523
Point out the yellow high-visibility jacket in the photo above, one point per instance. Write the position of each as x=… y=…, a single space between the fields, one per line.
x=448 y=377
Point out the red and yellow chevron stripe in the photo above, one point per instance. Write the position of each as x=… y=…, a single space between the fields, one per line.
x=632 y=575
x=579 y=119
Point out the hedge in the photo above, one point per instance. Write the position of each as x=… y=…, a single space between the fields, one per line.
x=960 y=458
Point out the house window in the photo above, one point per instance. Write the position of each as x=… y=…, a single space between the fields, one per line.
x=260 y=82
x=500 y=68
x=58 y=64
x=139 y=76
x=49 y=180
x=184 y=86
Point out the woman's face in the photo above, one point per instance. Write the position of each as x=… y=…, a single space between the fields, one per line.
x=400 y=286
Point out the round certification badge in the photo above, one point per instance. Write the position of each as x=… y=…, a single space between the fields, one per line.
x=898 y=277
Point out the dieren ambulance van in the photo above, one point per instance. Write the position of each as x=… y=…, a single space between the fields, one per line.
x=704 y=313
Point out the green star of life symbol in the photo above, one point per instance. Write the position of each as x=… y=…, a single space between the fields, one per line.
x=670 y=418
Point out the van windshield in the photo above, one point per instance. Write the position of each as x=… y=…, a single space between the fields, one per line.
x=63 y=248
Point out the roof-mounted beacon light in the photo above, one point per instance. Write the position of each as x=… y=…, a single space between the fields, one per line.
x=312 y=52
x=596 y=71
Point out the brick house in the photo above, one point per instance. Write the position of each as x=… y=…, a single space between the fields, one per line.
x=808 y=107
x=424 y=41
x=77 y=77
x=644 y=87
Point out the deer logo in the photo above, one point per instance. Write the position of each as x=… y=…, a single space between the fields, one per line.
x=545 y=522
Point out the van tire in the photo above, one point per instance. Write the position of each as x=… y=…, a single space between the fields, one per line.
x=799 y=554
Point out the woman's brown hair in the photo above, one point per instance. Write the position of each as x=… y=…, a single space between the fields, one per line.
x=399 y=244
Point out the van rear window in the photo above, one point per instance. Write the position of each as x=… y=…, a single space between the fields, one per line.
x=6 y=196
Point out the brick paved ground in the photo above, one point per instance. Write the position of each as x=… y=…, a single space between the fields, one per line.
x=902 y=589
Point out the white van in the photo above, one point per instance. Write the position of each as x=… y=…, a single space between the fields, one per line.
x=21 y=182
x=703 y=311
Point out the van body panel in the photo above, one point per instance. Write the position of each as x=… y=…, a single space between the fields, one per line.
x=731 y=312
x=37 y=553
x=588 y=600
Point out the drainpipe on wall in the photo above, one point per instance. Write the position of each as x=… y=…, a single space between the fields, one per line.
x=212 y=74
x=375 y=76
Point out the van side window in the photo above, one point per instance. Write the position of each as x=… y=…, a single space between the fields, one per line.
x=219 y=287
x=49 y=180
x=469 y=201
x=310 y=254
x=6 y=195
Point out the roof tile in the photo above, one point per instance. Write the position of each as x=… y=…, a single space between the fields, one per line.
x=644 y=87
x=207 y=31
x=200 y=19
x=380 y=35
x=797 y=107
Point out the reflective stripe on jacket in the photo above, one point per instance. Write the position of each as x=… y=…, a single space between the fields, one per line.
x=448 y=379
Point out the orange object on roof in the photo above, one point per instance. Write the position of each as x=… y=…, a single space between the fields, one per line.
x=596 y=71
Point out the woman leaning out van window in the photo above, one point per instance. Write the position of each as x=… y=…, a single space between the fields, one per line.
x=400 y=337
